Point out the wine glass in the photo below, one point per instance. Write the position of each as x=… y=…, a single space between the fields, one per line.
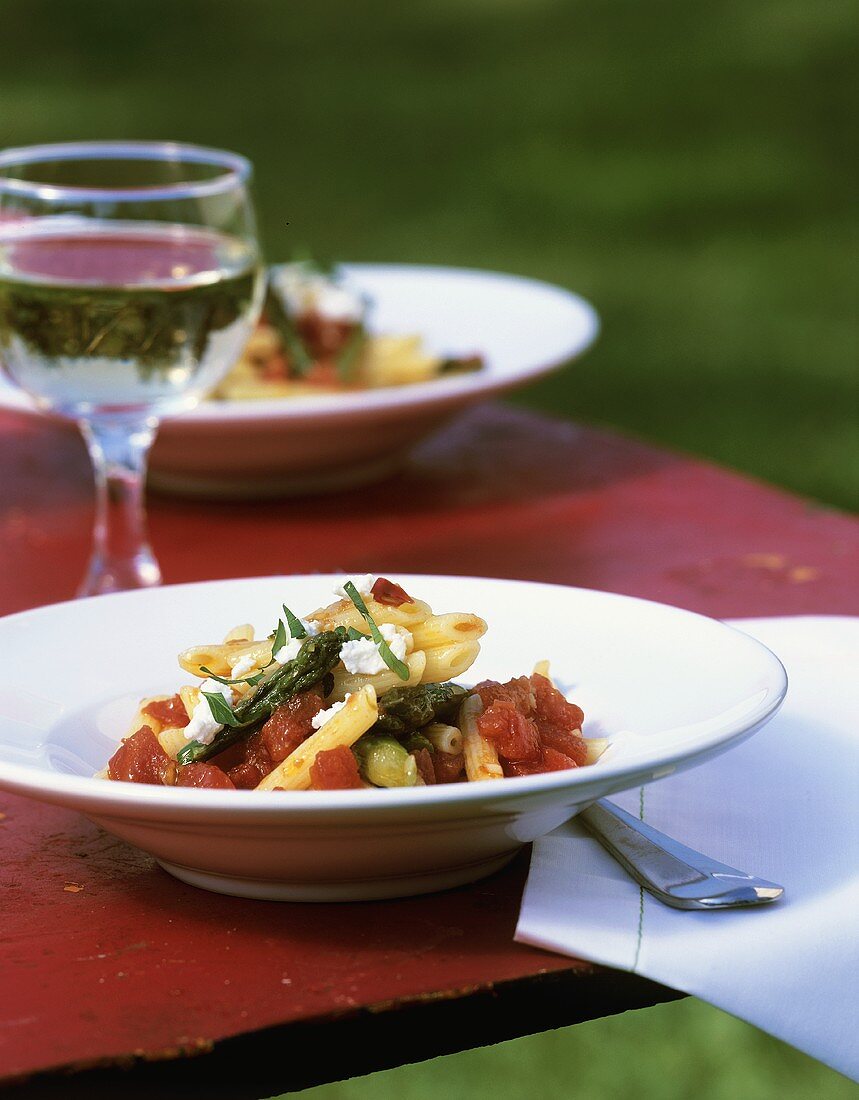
x=130 y=279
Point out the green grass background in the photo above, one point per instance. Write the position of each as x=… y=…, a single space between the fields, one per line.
x=683 y=165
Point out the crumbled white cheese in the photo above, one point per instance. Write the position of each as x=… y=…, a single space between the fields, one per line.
x=398 y=639
x=203 y=726
x=363 y=583
x=288 y=652
x=304 y=290
x=319 y=720
x=363 y=654
x=311 y=627
x=242 y=665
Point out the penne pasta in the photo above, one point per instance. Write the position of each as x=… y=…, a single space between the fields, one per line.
x=443 y=630
x=446 y=662
x=596 y=747
x=542 y=669
x=444 y=738
x=356 y=717
x=242 y=633
x=347 y=683
x=344 y=613
x=481 y=759
x=172 y=739
x=221 y=656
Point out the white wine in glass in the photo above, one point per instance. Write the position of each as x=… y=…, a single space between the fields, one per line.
x=130 y=279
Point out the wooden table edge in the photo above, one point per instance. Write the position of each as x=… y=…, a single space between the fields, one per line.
x=352 y=1042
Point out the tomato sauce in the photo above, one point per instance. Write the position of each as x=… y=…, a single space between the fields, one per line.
x=335 y=770
x=533 y=727
x=204 y=775
x=386 y=592
x=170 y=712
x=249 y=763
x=140 y=759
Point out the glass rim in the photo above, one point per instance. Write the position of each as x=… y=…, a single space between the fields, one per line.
x=236 y=170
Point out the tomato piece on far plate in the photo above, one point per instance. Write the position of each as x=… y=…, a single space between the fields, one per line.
x=335 y=770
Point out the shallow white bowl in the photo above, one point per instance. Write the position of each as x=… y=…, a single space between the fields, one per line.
x=522 y=327
x=671 y=689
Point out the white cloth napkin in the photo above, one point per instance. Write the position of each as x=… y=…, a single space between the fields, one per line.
x=783 y=805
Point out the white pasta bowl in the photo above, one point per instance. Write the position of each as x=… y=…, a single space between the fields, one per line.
x=671 y=689
x=522 y=327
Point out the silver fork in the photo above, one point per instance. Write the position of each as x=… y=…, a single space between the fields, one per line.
x=673 y=873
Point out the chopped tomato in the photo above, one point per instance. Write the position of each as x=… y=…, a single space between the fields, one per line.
x=423 y=759
x=140 y=759
x=513 y=733
x=290 y=724
x=204 y=775
x=335 y=769
x=170 y=712
x=533 y=727
x=322 y=336
x=448 y=767
x=386 y=592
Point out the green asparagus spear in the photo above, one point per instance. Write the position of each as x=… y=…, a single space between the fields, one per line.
x=384 y=762
x=315 y=660
x=404 y=709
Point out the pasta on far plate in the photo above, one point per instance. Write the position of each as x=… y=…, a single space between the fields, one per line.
x=360 y=693
x=313 y=338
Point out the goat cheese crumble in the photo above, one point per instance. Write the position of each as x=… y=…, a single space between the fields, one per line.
x=203 y=726
x=363 y=583
x=363 y=654
x=319 y=720
x=288 y=652
x=243 y=664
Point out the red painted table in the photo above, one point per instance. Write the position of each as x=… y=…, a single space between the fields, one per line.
x=107 y=962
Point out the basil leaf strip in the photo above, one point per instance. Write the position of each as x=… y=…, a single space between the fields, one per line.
x=393 y=663
x=221 y=710
x=252 y=680
x=280 y=639
x=296 y=627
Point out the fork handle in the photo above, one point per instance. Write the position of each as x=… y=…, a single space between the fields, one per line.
x=676 y=875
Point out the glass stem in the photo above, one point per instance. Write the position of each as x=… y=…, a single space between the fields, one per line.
x=121 y=558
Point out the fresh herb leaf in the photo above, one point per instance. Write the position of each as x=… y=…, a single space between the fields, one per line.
x=296 y=628
x=280 y=320
x=280 y=639
x=355 y=635
x=221 y=710
x=346 y=357
x=252 y=680
x=393 y=663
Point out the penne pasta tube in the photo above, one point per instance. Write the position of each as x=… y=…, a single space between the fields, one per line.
x=441 y=630
x=242 y=633
x=481 y=759
x=444 y=738
x=347 y=683
x=356 y=717
x=542 y=669
x=344 y=613
x=596 y=747
x=221 y=657
x=172 y=739
x=190 y=697
x=446 y=662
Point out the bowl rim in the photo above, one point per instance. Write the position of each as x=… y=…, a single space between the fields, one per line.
x=359 y=404
x=99 y=797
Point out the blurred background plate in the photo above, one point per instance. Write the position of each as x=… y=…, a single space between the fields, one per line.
x=523 y=328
